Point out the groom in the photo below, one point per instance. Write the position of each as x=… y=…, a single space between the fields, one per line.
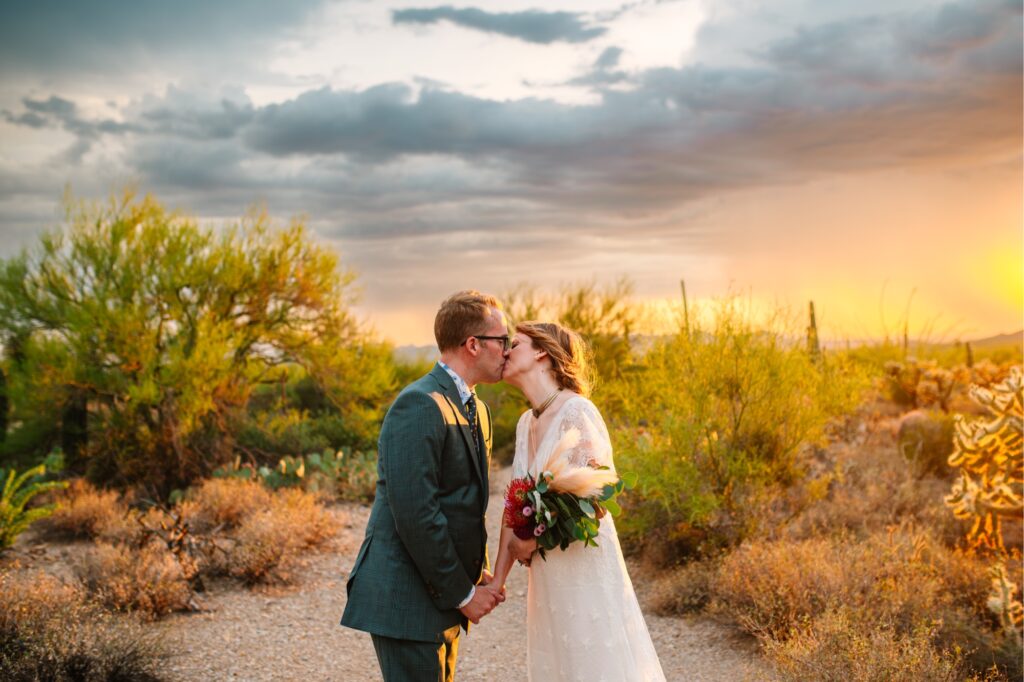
x=413 y=582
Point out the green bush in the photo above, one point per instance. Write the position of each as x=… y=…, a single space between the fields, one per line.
x=925 y=440
x=342 y=474
x=16 y=493
x=507 y=404
x=715 y=417
x=190 y=320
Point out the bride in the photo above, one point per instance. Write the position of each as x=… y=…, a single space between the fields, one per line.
x=583 y=621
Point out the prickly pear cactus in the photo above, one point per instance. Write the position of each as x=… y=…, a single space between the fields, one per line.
x=989 y=454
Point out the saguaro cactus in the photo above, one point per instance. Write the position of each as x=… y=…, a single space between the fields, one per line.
x=989 y=454
x=813 y=346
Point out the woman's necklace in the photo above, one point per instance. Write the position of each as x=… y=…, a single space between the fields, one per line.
x=539 y=410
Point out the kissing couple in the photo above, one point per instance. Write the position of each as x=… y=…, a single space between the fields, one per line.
x=422 y=573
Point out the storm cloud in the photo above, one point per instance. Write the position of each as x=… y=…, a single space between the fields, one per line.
x=532 y=26
x=397 y=163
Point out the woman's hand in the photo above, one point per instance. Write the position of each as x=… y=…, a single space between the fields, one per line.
x=522 y=550
x=495 y=589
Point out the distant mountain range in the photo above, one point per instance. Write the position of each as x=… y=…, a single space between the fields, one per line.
x=1000 y=340
x=412 y=354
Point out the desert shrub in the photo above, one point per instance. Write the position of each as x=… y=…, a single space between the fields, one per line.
x=861 y=488
x=507 y=404
x=357 y=481
x=896 y=582
x=771 y=587
x=224 y=502
x=843 y=646
x=685 y=589
x=49 y=631
x=716 y=416
x=925 y=439
x=161 y=404
x=148 y=580
x=282 y=432
x=17 y=492
x=84 y=511
x=346 y=475
x=269 y=544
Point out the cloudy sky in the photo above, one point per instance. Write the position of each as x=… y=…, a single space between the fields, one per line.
x=851 y=151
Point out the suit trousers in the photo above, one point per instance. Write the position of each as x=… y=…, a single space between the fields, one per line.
x=404 y=660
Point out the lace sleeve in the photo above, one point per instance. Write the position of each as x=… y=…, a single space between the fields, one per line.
x=594 y=447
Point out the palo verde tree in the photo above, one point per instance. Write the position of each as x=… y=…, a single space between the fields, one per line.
x=160 y=328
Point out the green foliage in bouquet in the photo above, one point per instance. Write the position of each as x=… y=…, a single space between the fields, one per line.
x=17 y=492
x=567 y=518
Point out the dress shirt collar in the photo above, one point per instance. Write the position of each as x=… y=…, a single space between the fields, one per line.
x=464 y=392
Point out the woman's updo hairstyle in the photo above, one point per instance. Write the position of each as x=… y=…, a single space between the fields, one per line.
x=569 y=354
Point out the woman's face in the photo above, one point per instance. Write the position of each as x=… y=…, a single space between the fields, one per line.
x=522 y=357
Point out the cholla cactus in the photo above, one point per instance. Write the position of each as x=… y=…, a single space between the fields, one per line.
x=989 y=454
x=1003 y=602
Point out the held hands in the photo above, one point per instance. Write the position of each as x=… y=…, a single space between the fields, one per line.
x=487 y=582
x=483 y=601
x=485 y=598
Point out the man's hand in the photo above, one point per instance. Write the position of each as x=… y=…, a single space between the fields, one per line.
x=483 y=602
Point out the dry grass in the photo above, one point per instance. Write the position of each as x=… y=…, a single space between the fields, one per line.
x=224 y=503
x=842 y=646
x=148 y=580
x=865 y=487
x=686 y=589
x=268 y=546
x=83 y=511
x=853 y=574
x=49 y=631
x=899 y=584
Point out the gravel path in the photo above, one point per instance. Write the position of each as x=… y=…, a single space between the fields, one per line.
x=293 y=633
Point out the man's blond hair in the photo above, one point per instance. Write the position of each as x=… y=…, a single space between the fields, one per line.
x=461 y=315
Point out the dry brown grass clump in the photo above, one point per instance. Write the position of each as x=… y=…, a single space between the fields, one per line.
x=900 y=578
x=686 y=589
x=148 y=580
x=224 y=502
x=841 y=645
x=268 y=545
x=906 y=589
x=83 y=511
x=869 y=487
x=49 y=631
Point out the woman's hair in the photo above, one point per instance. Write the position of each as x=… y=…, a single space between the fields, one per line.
x=462 y=315
x=570 y=356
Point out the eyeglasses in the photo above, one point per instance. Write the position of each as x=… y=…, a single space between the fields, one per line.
x=506 y=342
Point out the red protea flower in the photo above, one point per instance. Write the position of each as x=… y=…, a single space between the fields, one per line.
x=515 y=500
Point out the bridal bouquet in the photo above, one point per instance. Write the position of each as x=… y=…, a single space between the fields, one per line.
x=564 y=503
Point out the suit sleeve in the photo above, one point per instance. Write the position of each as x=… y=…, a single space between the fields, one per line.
x=411 y=443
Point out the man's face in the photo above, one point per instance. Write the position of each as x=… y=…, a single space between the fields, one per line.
x=491 y=359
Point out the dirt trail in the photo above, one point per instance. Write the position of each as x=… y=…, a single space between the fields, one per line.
x=294 y=634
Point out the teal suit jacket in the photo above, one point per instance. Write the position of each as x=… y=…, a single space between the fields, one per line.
x=426 y=543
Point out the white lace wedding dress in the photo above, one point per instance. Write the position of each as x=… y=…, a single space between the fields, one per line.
x=583 y=621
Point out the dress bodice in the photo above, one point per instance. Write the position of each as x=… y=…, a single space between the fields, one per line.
x=576 y=414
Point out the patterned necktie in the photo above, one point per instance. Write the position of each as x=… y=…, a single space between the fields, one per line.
x=474 y=425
